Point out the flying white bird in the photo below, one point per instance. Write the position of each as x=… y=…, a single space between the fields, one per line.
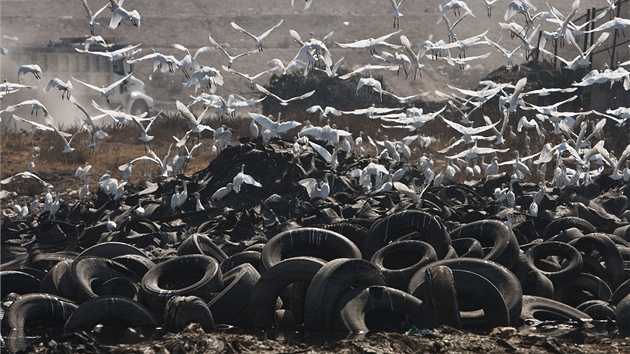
x=257 y=39
x=91 y=18
x=283 y=101
x=105 y=91
x=64 y=87
x=31 y=68
x=231 y=58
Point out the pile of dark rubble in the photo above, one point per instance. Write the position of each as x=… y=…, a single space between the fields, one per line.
x=273 y=257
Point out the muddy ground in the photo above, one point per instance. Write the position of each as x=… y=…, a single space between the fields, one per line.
x=562 y=339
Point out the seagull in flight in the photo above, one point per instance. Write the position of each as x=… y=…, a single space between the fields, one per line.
x=105 y=91
x=257 y=39
x=64 y=87
x=231 y=58
x=31 y=68
x=91 y=18
x=371 y=43
x=283 y=101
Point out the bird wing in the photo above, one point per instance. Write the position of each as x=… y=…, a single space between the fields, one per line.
x=242 y=30
x=267 y=92
x=321 y=151
x=266 y=33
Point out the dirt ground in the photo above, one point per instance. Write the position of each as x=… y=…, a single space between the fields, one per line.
x=440 y=340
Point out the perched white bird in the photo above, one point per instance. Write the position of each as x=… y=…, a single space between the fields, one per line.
x=241 y=178
x=257 y=39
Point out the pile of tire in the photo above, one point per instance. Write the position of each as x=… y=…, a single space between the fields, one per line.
x=357 y=261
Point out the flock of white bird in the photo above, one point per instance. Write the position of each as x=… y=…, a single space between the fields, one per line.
x=577 y=159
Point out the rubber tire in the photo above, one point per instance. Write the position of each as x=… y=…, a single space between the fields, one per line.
x=110 y=250
x=399 y=261
x=31 y=306
x=492 y=233
x=401 y=224
x=357 y=304
x=201 y=244
x=563 y=223
x=91 y=312
x=180 y=311
x=543 y=309
x=160 y=283
x=608 y=252
x=502 y=278
x=330 y=283
x=262 y=301
x=307 y=242
x=85 y=271
x=15 y=281
x=547 y=248
x=230 y=305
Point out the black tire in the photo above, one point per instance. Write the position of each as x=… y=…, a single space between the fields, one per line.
x=471 y=292
x=583 y=288
x=564 y=275
x=608 y=252
x=15 y=281
x=542 y=309
x=190 y=275
x=502 y=278
x=201 y=244
x=417 y=225
x=307 y=242
x=399 y=261
x=262 y=301
x=93 y=311
x=356 y=233
x=120 y=286
x=619 y=293
x=243 y=257
x=441 y=296
x=468 y=247
x=86 y=272
x=139 y=265
x=139 y=107
x=563 y=223
x=622 y=313
x=230 y=305
x=58 y=280
x=180 y=311
x=28 y=308
x=387 y=309
x=495 y=234
x=110 y=250
x=330 y=283
x=599 y=310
